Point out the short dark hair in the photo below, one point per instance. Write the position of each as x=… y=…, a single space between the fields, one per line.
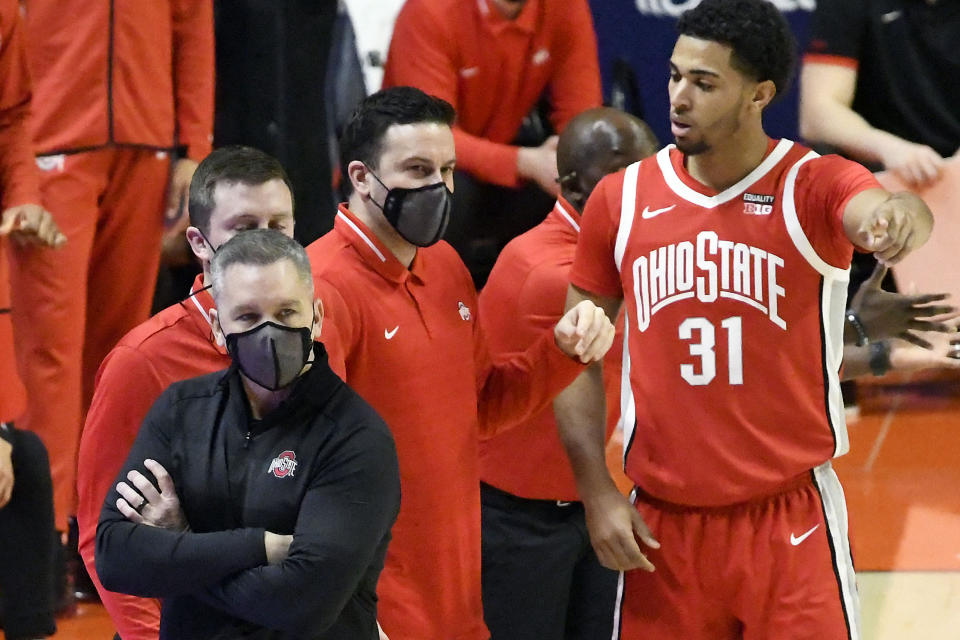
x=362 y=136
x=235 y=164
x=260 y=247
x=762 y=43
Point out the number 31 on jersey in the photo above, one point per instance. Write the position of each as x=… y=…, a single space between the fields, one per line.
x=702 y=335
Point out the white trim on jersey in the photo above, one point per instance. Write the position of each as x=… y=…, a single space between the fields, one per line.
x=363 y=236
x=628 y=406
x=628 y=209
x=567 y=217
x=833 y=301
x=835 y=515
x=709 y=202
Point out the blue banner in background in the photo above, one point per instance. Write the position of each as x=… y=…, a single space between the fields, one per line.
x=640 y=34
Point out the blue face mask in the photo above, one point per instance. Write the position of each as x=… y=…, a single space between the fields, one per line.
x=419 y=215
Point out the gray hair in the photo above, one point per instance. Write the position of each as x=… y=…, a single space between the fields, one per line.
x=260 y=247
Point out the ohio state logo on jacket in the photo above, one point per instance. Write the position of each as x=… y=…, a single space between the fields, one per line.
x=284 y=465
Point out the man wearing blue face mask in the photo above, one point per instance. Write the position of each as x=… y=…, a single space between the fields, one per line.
x=402 y=326
x=234 y=189
x=276 y=484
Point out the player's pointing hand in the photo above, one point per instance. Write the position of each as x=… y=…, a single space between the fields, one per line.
x=896 y=227
x=584 y=332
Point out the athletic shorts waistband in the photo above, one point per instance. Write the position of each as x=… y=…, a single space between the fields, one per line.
x=799 y=481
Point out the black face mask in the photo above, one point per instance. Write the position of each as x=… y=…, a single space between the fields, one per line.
x=271 y=354
x=419 y=215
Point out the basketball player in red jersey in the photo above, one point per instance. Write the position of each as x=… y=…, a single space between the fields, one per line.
x=730 y=251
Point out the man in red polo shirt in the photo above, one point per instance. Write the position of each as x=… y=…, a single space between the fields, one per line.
x=119 y=87
x=233 y=189
x=541 y=578
x=401 y=319
x=496 y=61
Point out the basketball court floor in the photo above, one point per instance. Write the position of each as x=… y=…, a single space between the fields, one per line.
x=902 y=481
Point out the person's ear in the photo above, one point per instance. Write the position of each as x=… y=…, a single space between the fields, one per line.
x=318 y=319
x=763 y=95
x=357 y=174
x=214 y=318
x=198 y=245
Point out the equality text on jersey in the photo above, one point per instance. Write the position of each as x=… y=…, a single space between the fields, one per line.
x=707 y=269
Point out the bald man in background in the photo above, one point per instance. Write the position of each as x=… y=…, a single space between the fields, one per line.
x=541 y=578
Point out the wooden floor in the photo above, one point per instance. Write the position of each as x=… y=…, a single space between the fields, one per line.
x=902 y=481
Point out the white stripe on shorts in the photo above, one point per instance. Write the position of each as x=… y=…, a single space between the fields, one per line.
x=835 y=515
x=619 y=605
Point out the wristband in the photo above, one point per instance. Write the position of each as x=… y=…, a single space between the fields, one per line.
x=879 y=357
x=854 y=319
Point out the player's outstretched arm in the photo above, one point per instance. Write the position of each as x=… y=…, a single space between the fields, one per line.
x=614 y=524
x=889 y=225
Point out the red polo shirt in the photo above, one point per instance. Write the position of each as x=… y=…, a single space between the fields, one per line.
x=173 y=345
x=494 y=70
x=524 y=296
x=410 y=344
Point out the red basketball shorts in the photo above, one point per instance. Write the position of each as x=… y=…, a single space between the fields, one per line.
x=775 y=568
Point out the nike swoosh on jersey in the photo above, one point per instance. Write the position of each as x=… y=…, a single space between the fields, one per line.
x=794 y=540
x=647 y=213
x=389 y=334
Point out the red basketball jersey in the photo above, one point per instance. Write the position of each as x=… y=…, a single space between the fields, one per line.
x=734 y=304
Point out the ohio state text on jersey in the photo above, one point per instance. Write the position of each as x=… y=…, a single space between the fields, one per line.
x=734 y=304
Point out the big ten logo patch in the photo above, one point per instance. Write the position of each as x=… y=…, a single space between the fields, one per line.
x=757 y=204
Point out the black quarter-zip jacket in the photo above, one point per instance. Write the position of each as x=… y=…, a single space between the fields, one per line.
x=322 y=466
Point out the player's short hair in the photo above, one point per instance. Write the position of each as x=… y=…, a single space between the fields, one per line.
x=261 y=247
x=362 y=137
x=235 y=164
x=762 y=43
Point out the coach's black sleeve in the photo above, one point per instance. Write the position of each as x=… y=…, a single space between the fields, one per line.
x=147 y=561
x=838 y=28
x=350 y=506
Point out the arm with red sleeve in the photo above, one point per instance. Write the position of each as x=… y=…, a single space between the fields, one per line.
x=517 y=386
x=126 y=387
x=193 y=72
x=857 y=211
x=423 y=55
x=19 y=183
x=575 y=84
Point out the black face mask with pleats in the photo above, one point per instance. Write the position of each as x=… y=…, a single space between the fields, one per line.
x=271 y=354
x=419 y=215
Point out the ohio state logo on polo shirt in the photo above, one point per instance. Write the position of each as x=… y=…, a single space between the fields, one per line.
x=284 y=465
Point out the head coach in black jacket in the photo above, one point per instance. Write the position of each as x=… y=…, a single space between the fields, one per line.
x=257 y=501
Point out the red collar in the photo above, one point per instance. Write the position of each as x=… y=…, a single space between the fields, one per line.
x=198 y=305
x=377 y=256
x=564 y=211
